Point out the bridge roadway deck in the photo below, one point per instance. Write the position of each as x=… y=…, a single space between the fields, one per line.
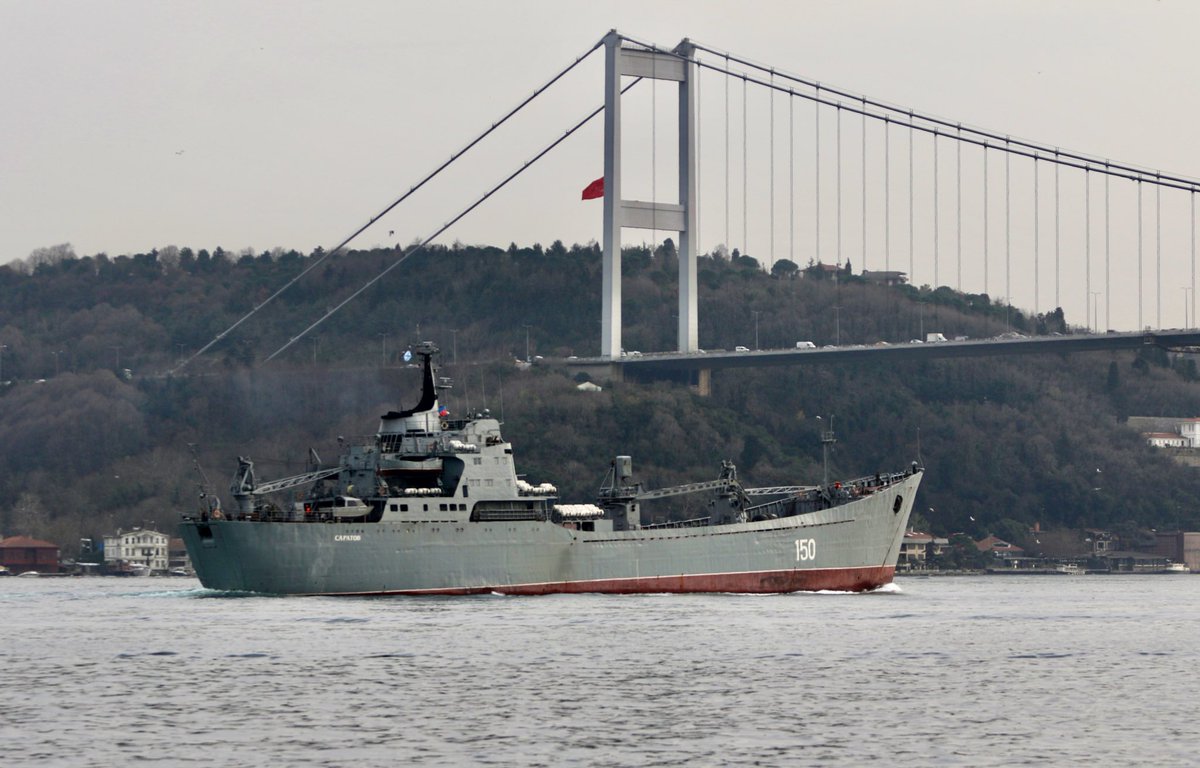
x=653 y=364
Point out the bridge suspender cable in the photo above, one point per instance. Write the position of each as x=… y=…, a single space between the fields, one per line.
x=958 y=210
x=1107 y=253
x=816 y=175
x=745 y=176
x=336 y=249
x=418 y=248
x=1057 y=242
x=863 y=113
x=936 y=210
x=1087 y=243
x=911 y=256
x=792 y=180
x=1008 y=243
x=1158 y=257
x=771 y=175
x=986 y=210
x=1036 y=239
x=887 y=195
x=838 y=127
x=838 y=186
x=1139 y=253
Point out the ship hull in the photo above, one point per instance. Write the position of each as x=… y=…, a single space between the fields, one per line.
x=853 y=546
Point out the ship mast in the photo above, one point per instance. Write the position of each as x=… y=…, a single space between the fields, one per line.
x=827 y=440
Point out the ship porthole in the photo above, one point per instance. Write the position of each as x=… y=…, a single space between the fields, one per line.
x=897 y=504
x=445 y=425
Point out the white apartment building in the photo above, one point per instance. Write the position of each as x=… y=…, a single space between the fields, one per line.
x=138 y=547
x=1189 y=429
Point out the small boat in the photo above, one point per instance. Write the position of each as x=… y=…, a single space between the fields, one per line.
x=1176 y=568
x=1069 y=569
x=29 y=574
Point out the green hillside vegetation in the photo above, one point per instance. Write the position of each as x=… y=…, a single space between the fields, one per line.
x=1008 y=442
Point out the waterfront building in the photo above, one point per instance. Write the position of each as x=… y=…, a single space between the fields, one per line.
x=139 y=548
x=22 y=553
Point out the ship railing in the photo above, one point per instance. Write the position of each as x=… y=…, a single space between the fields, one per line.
x=870 y=483
x=694 y=522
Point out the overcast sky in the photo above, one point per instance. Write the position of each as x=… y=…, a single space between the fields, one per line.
x=133 y=125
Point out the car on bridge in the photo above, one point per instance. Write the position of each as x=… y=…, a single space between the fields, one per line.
x=740 y=348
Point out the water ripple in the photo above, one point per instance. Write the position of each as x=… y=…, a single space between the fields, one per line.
x=972 y=671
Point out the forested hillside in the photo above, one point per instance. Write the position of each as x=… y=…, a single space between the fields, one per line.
x=95 y=433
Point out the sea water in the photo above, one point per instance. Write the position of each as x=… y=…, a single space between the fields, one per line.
x=1049 y=670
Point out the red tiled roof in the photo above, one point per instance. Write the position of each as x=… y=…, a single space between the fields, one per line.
x=25 y=542
x=996 y=544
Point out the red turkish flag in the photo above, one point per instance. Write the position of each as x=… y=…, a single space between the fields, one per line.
x=594 y=190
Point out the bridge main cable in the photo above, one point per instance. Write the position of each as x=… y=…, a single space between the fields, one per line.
x=420 y=247
x=337 y=248
x=1031 y=149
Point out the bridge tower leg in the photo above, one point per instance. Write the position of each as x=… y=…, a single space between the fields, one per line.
x=680 y=67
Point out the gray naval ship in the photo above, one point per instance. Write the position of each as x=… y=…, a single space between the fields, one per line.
x=434 y=505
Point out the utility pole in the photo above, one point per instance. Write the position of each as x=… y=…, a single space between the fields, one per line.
x=2 y=348
x=454 y=344
x=756 y=314
x=528 y=359
x=837 y=325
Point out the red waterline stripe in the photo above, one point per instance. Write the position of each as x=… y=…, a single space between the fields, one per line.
x=833 y=579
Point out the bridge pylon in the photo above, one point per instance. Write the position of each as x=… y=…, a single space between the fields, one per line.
x=678 y=66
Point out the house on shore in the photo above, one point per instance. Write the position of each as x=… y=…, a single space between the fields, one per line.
x=22 y=553
x=918 y=549
x=139 y=549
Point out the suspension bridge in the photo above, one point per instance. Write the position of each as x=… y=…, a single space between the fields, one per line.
x=793 y=171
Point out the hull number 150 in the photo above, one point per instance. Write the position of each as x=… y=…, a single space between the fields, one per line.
x=806 y=549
